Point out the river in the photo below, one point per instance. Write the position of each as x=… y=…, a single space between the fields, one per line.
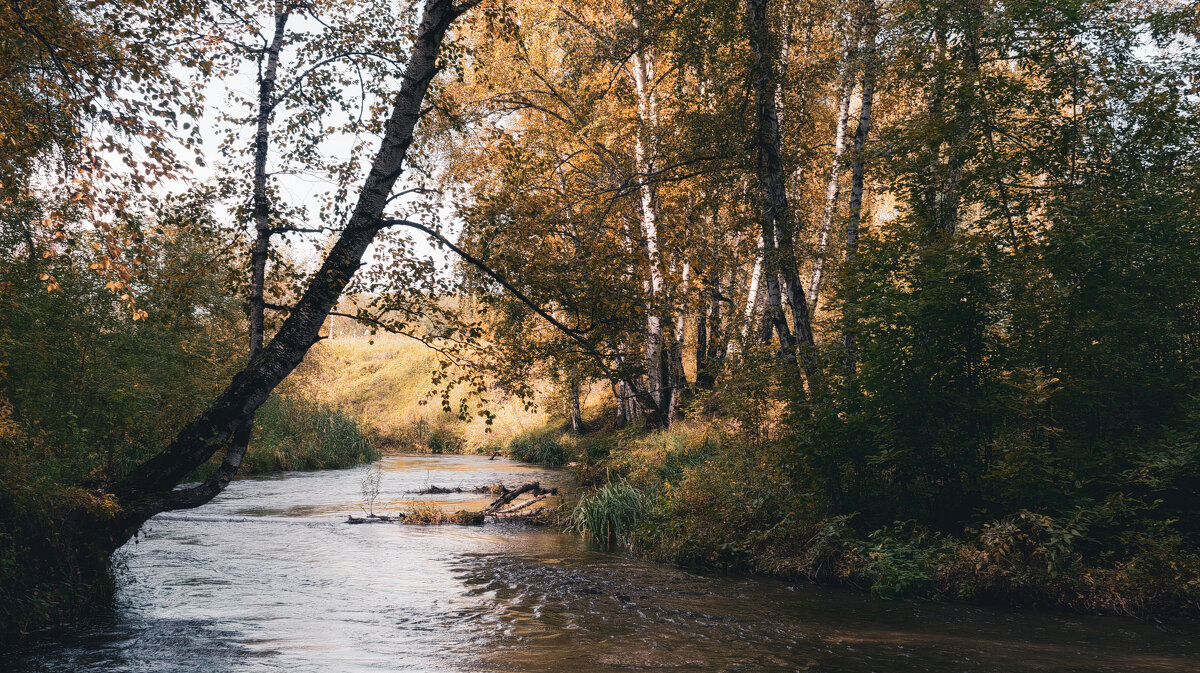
x=268 y=577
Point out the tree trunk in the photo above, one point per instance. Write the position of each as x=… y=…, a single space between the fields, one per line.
x=753 y=292
x=854 y=216
x=677 y=378
x=147 y=490
x=573 y=408
x=942 y=197
x=658 y=366
x=628 y=408
x=702 y=351
x=775 y=216
x=260 y=250
x=622 y=418
x=261 y=202
x=716 y=337
x=832 y=191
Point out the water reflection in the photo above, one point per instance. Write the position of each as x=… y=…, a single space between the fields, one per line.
x=267 y=578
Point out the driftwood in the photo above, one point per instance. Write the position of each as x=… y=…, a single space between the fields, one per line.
x=520 y=506
x=504 y=507
x=533 y=488
x=373 y=518
x=478 y=488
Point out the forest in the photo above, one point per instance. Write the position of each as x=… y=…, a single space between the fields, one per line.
x=898 y=295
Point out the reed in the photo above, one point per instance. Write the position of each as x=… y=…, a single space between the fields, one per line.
x=611 y=515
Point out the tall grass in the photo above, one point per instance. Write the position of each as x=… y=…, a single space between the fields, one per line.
x=543 y=448
x=299 y=434
x=293 y=433
x=611 y=516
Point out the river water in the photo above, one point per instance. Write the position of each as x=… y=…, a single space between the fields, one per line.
x=268 y=577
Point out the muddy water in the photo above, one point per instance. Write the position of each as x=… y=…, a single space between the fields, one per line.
x=267 y=578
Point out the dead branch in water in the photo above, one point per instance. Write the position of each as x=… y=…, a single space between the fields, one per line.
x=520 y=506
x=533 y=488
x=478 y=488
x=505 y=507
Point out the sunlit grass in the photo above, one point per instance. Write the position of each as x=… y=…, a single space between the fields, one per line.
x=385 y=382
x=425 y=513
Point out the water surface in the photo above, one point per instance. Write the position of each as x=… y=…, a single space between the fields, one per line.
x=267 y=577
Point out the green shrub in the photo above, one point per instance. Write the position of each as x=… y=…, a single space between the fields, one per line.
x=443 y=440
x=541 y=448
x=899 y=564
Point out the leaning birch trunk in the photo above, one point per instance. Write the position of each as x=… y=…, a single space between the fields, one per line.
x=148 y=489
x=777 y=231
x=832 y=191
x=854 y=216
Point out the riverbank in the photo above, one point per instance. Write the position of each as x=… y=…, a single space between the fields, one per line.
x=699 y=497
x=269 y=577
x=734 y=495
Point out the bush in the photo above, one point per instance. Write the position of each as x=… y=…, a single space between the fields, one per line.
x=899 y=563
x=443 y=440
x=541 y=448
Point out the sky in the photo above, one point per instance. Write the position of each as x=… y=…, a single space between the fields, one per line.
x=296 y=190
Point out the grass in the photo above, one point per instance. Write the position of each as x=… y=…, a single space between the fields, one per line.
x=386 y=383
x=543 y=446
x=293 y=433
x=611 y=515
x=424 y=513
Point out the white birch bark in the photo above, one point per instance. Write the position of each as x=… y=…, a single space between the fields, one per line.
x=832 y=191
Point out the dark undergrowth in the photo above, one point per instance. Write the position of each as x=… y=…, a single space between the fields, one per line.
x=700 y=495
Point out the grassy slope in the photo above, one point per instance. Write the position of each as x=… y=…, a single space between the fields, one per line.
x=386 y=385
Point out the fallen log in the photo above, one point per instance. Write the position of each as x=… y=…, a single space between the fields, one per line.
x=478 y=488
x=537 y=516
x=437 y=490
x=372 y=518
x=516 y=507
x=509 y=496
